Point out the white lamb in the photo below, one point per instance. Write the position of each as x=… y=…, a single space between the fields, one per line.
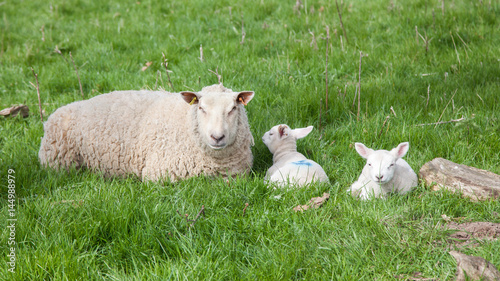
x=153 y=135
x=290 y=166
x=383 y=173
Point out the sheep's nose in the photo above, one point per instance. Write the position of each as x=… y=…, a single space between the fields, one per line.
x=217 y=139
x=379 y=177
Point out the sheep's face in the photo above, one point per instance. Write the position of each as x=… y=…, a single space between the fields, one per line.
x=218 y=115
x=381 y=164
x=280 y=134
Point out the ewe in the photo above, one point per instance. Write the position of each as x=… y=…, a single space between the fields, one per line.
x=153 y=135
x=383 y=173
x=290 y=166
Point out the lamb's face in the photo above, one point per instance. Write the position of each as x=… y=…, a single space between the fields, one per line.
x=272 y=138
x=218 y=115
x=381 y=164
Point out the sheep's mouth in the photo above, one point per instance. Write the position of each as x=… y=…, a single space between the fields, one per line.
x=217 y=146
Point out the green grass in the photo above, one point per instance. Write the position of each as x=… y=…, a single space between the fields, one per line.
x=78 y=226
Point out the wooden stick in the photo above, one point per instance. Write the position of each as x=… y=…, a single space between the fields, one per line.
x=38 y=93
x=341 y=23
x=76 y=70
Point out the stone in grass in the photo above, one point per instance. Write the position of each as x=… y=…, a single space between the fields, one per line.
x=13 y=111
x=474 y=268
x=314 y=203
x=472 y=182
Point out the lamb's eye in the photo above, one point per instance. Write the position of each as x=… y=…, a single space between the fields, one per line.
x=271 y=134
x=369 y=164
x=392 y=165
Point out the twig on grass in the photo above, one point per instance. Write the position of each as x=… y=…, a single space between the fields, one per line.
x=445 y=108
x=56 y=50
x=381 y=129
x=244 y=209
x=186 y=216
x=77 y=75
x=219 y=77
x=38 y=93
x=341 y=23
x=426 y=41
x=442 y=7
x=165 y=63
x=313 y=41
x=202 y=211
x=442 y=122
x=201 y=53
x=428 y=92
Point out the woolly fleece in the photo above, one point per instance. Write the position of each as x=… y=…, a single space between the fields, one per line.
x=152 y=135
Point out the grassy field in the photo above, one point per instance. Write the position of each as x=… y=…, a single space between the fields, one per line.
x=77 y=225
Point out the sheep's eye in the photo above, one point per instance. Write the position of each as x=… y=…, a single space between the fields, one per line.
x=271 y=134
x=392 y=165
x=232 y=110
x=369 y=164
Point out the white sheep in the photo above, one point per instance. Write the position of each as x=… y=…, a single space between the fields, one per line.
x=153 y=135
x=383 y=173
x=290 y=166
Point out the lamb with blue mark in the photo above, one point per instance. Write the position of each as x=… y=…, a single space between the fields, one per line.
x=289 y=166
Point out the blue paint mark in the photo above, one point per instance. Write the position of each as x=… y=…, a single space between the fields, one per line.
x=303 y=163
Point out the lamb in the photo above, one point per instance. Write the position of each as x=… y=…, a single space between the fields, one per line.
x=290 y=166
x=383 y=173
x=153 y=134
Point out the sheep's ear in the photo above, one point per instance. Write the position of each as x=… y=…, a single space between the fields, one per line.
x=363 y=150
x=401 y=149
x=190 y=97
x=302 y=132
x=283 y=130
x=244 y=97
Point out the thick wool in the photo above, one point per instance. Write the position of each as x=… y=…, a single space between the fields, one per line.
x=152 y=135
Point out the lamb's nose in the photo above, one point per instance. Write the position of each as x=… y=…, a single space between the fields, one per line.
x=217 y=139
x=379 y=177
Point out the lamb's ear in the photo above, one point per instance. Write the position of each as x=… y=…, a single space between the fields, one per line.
x=401 y=149
x=190 y=97
x=284 y=131
x=363 y=150
x=302 y=132
x=244 y=97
